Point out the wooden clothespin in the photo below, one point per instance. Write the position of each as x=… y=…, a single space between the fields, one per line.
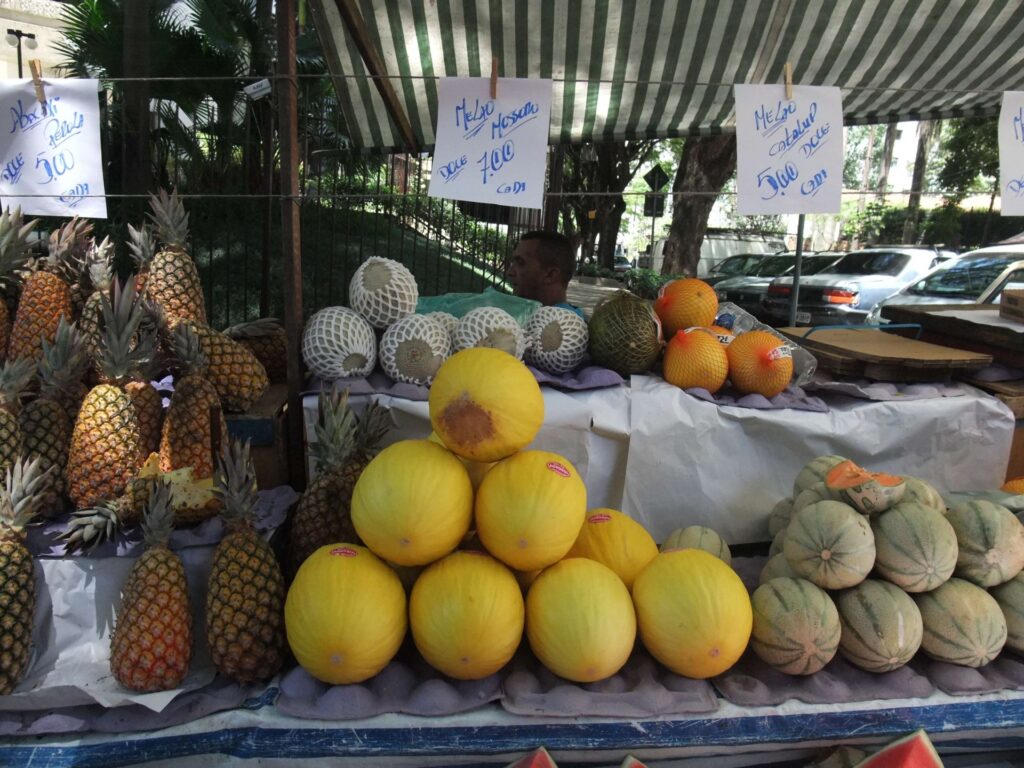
x=37 y=80
x=494 y=77
x=788 y=74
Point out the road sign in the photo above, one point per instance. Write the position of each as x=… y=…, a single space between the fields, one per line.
x=656 y=178
x=654 y=205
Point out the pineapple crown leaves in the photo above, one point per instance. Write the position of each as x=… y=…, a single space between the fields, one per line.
x=69 y=249
x=90 y=527
x=15 y=376
x=141 y=245
x=373 y=427
x=63 y=363
x=188 y=348
x=169 y=218
x=235 y=482
x=263 y=326
x=14 y=245
x=124 y=350
x=22 y=489
x=335 y=431
x=158 y=516
x=100 y=265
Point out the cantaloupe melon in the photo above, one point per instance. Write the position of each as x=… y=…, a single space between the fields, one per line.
x=922 y=492
x=776 y=566
x=779 y=517
x=962 y=624
x=617 y=541
x=796 y=626
x=812 y=495
x=778 y=543
x=699 y=537
x=814 y=471
x=882 y=627
x=1010 y=596
x=830 y=544
x=991 y=542
x=870 y=493
x=915 y=547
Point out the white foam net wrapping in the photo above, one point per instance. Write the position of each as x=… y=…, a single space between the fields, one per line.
x=489 y=327
x=383 y=291
x=338 y=343
x=556 y=339
x=449 y=321
x=413 y=349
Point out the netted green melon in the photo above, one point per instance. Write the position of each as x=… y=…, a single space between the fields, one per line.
x=412 y=349
x=625 y=334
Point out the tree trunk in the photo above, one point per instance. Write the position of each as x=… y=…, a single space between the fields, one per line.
x=707 y=163
x=865 y=178
x=887 y=150
x=613 y=208
x=136 y=171
x=925 y=133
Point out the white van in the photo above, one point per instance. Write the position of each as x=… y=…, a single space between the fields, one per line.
x=718 y=246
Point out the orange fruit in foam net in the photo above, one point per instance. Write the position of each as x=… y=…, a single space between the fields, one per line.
x=1014 y=486
x=760 y=363
x=685 y=303
x=695 y=358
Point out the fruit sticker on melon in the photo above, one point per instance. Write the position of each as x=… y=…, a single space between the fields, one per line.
x=529 y=509
x=485 y=404
x=693 y=612
x=760 y=363
x=686 y=303
x=868 y=492
x=695 y=358
x=345 y=614
x=413 y=503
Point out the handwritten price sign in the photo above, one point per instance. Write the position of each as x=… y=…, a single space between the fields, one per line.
x=50 y=160
x=491 y=150
x=789 y=152
x=1011 y=153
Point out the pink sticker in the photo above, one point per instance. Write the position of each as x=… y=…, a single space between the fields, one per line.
x=344 y=552
x=779 y=352
x=599 y=518
x=558 y=469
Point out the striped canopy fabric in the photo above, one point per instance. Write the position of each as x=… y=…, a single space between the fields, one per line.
x=632 y=69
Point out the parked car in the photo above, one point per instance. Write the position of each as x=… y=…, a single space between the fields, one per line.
x=850 y=289
x=740 y=264
x=622 y=264
x=747 y=291
x=976 y=277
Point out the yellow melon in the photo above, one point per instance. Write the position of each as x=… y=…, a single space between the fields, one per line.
x=693 y=612
x=466 y=613
x=580 y=621
x=485 y=404
x=617 y=541
x=413 y=503
x=476 y=469
x=685 y=303
x=345 y=614
x=529 y=509
x=1014 y=486
x=759 y=363
x=695 y=358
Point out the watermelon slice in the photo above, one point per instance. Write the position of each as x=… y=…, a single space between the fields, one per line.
x=631 y=762
x=539 y=758
x=913 y=751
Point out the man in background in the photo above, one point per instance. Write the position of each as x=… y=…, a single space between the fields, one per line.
x=541 y=266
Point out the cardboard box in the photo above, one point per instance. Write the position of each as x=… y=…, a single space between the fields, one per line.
x=1011 y=305
x=265 y=426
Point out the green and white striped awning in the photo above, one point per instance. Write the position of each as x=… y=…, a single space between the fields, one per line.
x=628 y=69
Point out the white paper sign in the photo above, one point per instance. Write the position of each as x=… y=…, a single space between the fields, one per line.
x=54 y=154
x=1011 y=153
x=789 y=152
x=491 y=150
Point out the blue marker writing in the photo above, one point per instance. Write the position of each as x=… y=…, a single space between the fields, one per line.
x=472 y=120
x=12 y=170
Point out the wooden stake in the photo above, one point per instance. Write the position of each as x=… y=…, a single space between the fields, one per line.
x=494 y=77
x=788 y=73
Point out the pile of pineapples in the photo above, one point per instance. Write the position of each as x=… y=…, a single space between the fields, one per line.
x=82 y=426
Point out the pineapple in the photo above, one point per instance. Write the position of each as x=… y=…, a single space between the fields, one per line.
x=149 y=408
x=17 y=576
x=188 y=435
x=245 y=593
x=46 y=422
x=46 y=296
x=343 y=448
x=14 y=253
x=104 y=452
x=142 y=248
x=151 y=646
x=101 y=276
x=232 y=368
x=15 y=376
x=266 y=339
x=172 y=280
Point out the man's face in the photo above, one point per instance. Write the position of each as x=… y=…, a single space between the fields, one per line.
x=525 y=271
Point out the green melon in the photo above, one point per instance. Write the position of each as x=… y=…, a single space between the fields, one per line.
x=778 y=543
x=882 y=627
x=962 y=624
x=830 y=544
x=777 y=566
x=796 y=626
x=1010 y=597
x=779 y=517
x=870 y=493
x=991 y=541
x=923 y=493
x=625 y=334
x=698 y=537
x=915 y=547
x=813 y=472
x=814 y=494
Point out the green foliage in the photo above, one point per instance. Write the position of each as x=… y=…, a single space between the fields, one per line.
x=646 y=283
x=971 y=157
x=596 y=270
x=877 y=223
x=948 y=225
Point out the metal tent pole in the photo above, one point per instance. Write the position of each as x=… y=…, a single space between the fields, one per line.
x=794 y=296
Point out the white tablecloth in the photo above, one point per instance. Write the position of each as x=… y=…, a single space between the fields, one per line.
x=669 y=459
